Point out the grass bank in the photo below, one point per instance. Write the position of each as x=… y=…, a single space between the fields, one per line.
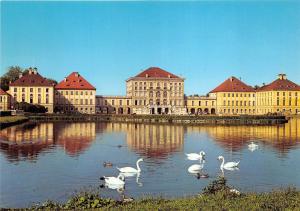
x=216 y=196
x=6 y=121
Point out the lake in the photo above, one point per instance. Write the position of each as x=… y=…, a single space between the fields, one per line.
x=41 y=161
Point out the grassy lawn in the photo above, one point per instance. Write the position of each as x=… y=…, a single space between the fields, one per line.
x=217 y=196
x=11 y=119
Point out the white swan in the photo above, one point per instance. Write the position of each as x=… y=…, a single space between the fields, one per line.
x=196 y=168
x=228 y=165
x=195 y=156
x=114 y=181
x=130 y=169
x=252 y=147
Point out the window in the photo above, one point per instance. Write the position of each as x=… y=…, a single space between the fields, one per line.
x=81 y=101
x=76 y=92
x=199 y=103
x=67 y=93
x=91 y=101
x=31 y=89
x=127 y=102
x=228 y=94
x=23 y=89
x=165 y=93
x=47 y=98
x=86 y=102
x=15 y=90
x=135 y=102
x=207 y=102
x=47 y=90
x=224 y=102
x=120 y=102
x=39 y=98
x=23 y=97
x=71 y=92
x=31 y=98
x=113 y=102
x=228 y=103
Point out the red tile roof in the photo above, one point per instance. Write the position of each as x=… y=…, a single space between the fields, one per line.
x=233 y=84
x=75 y=81
x=280 y=85
x=32 y=79
x=2 y=92
x=156 y=72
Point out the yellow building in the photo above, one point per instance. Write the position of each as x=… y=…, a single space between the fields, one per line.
x=234 y=97
x=4 y=100
x=34 y=89
x=282 y=95
x=113 y=104
x=156 y=91
x=75 y=95
x=201 y=105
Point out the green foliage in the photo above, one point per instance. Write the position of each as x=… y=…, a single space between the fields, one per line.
x=216 y=196
x=11 y=75
x=216 y=185
x=32 y=108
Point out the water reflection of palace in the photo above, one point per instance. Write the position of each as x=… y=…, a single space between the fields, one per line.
x=281 y=137
x=27 y=141
x=151 y=140
x=75 y=137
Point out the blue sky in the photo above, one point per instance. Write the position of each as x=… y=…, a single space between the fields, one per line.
x=108 y=42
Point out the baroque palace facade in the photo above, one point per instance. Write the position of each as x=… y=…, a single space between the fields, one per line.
x=153 y=91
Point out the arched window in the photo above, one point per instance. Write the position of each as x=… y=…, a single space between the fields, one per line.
x=157 y=94
x=165 y=94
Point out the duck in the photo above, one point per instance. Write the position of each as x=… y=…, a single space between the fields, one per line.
x=228 y=165
x=202 y=175
x=107 y=164
x=195 y=156
x=114 y=181
x=131 y=169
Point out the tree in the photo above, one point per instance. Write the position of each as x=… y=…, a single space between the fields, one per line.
x=12 y=74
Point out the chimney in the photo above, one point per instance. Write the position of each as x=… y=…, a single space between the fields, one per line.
x=282 y=76
x=169 y=76
x=77 y=74
x=147 y=75
x=34 y=71
x=65 y=79
x=231 y=78
x=20 y=75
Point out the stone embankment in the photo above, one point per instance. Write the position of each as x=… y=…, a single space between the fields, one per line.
x=166 y=119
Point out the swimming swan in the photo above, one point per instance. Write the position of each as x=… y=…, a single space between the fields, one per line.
x=195 y=168
x=228 y=165
x=252 y=147
x=114 y=181
x=195 y=156
x=130 y=169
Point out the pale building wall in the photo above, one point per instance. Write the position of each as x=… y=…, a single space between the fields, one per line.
x=5 y=102
x=232 y=103
x=42 y=95
x=113 y=104
x=201 y=105
x=158 y=95
x=278 y=101
x=81 y=101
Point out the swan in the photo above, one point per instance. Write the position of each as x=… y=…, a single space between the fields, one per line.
x=195 y=168
x=130 y=169
x=114 y=181
x=195 y=156
x=252 y=147
x=228 y=165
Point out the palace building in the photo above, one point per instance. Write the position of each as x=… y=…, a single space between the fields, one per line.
x=4 y=100
x=74 y=94
x=34 y=89
x=234 y=97
x=201 y=104
x=282 y=95
x=153 y=91
x=156 y=91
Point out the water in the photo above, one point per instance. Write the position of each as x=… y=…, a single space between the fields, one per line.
x=53 y=160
